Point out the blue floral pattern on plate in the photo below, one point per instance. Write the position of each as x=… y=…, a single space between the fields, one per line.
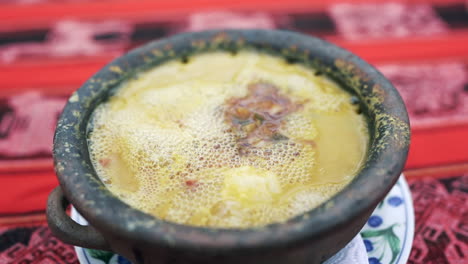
x=387 y=235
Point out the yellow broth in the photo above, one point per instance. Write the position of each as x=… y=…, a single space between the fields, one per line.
x=227 y=140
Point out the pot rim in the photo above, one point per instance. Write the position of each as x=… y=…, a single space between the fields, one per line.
x=387 y=150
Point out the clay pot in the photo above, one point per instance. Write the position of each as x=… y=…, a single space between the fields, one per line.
x=309 y=238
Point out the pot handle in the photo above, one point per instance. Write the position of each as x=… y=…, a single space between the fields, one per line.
x=66 y=229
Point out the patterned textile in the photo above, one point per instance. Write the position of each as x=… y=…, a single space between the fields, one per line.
x=441 y=234
x=48 y=48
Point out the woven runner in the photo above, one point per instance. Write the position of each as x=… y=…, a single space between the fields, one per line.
x=48 y=48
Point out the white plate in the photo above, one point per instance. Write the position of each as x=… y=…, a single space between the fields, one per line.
x=388 y=234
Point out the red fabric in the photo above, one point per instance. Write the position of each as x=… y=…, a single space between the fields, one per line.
x=439 y=146
x=30 y=190
x=34 y=245
x=441 y=218
x=49 y=48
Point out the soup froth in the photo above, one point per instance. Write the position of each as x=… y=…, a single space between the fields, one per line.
x=227 y=141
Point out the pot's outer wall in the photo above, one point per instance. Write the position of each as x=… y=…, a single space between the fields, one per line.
x=309 y=238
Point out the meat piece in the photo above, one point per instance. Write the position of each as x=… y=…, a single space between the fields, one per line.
x=259 y=114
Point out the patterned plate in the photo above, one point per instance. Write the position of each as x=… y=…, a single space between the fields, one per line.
x=387 y=235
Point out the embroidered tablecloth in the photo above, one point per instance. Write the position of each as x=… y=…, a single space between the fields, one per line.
x=49 y=47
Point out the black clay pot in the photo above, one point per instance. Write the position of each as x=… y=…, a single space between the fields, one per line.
x=309 y=238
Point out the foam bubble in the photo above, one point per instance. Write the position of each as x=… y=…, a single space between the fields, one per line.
x=163 y=145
